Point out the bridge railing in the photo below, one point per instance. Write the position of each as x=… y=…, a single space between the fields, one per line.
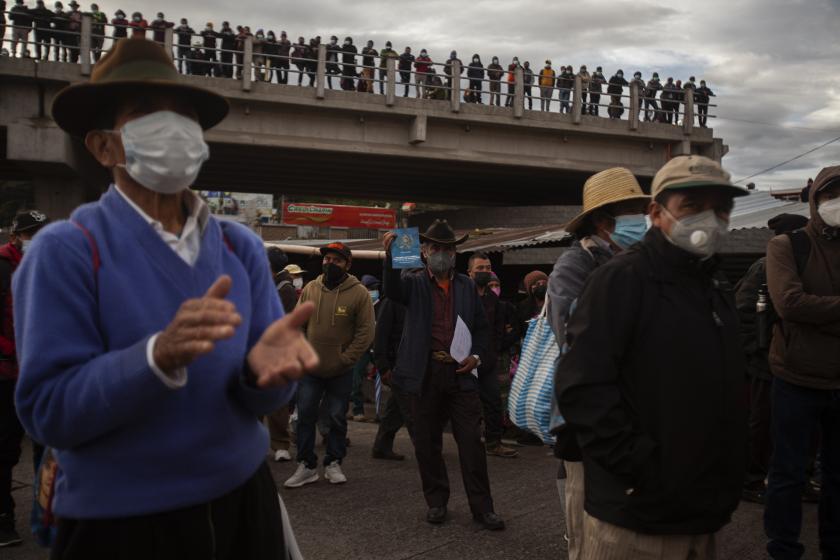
x=252 y=60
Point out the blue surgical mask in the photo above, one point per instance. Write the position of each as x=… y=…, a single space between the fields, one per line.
x=374 y=295
x=629 y=230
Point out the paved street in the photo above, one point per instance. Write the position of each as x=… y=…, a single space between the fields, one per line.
x=379 y=513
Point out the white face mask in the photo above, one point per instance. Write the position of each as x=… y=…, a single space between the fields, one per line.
x=24 y=245
x=701 y=234
x=829 y=211
x=164 y=151
x=297 y=283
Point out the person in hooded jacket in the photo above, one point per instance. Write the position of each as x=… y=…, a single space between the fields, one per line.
x=651 y=108
x=340 y=330
x=41 y=17
x=348 y=70
x=615 y=89
x=368 y=75
x=511 y=81
x=159 y=27
x=475 y=73
x=701 y=98
x=447 y=69
x=184 y=35
x=585 y=78
x=596 y=85
x=669 y=103
x=119 y=23
x=652 y=382
x=228 y=39
x=271 y=50
x=332 y=67
x=300 y=54
x=805 y=362
x=528 y=82
x=640 y=88
x=138 y=26
x=566 y=82
x=494 y=74
x=258 y=56
x=60 y=27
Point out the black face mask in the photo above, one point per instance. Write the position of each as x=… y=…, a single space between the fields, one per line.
x=333 y=274
x=481 y=279
x=540 y=291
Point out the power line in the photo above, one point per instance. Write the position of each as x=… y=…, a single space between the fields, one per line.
x=812 y=150
x=777 y=125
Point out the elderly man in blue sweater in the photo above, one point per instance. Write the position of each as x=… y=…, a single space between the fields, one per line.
x=148 y=360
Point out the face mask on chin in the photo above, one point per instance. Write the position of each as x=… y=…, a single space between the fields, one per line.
x=700 y=234
x=164 y=151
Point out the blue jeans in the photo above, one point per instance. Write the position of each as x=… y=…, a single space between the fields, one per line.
x=796 y=413
x=565 y=106
x=359 y=374
x=335 y=393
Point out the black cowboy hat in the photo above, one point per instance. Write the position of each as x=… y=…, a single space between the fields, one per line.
x=131 y=65
x=441 y=232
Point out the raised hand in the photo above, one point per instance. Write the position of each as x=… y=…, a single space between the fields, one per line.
x=282 y=354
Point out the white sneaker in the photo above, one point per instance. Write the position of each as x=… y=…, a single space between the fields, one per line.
x=282 y=455
x=302 y=477
x=334 y=474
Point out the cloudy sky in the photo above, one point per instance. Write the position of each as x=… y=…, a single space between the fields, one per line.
x=772 y=63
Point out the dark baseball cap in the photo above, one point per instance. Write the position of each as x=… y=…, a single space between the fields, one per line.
x=338 y=248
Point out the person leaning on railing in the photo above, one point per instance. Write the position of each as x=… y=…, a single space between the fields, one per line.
x=75 y=29
x=385 y=54
x=97 y=30
x=41 y=17
x=120 y=27
x=21 y=19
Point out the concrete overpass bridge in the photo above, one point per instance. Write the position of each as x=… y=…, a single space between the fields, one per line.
x=320 y=142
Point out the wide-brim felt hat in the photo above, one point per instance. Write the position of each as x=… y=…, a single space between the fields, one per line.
x=616 y=184
x=131 y=65
x=441 y=232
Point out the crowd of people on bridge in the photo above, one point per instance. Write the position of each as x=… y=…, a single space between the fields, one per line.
x=155 y=407
x=221 y=53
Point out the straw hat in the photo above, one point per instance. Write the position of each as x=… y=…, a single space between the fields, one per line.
x=612 y=185
x=293 y=269
x=684 y=172
x=131 y=65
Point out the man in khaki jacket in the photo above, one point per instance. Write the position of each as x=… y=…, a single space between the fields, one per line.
x=803 y=277
x=341 y=330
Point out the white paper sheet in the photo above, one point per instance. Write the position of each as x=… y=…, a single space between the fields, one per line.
x=461 y=347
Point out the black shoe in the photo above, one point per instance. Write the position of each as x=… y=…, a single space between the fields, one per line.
x=388 y=455
x=436 y=515
x=754 y=494
x=490 y=521
x=8 y=535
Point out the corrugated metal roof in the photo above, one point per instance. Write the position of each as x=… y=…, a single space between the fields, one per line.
x=754 y=210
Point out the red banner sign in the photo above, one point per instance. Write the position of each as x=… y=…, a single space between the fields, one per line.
x=326 y=215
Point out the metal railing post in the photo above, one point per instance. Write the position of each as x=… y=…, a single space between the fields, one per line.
x=518 y=93
x=247 y=63
x=391 y=86
x=577 y=100
x=85 y=43
x=688 y=118
x=455 y=81
x=634 y=106
x=321 y=75
x=168 y=41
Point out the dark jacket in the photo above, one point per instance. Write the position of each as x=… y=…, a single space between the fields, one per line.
x=20 y=16
x=566 y=80
x=448 y=68
x=702 y=94
x=495 y=71
x=120 y=27
x=209 y=38
x=286 y=290
x=653 y=385
x=42 y=18
x=746 y=297
x=597 y=82
x=495 y=314
x=616 y=86
x=185 y=34
x=406 y=60
x=349 y=54
x=475 y=71
x=805 y=349
x=390 y=321
x=228 y=38
x=653 y=86
x=414 y=290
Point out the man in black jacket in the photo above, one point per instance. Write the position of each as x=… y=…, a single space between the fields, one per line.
x=228 y=38
x=441 y=304
x=653 y=381
x=185 y=34
x=390 y=321
x=615 y=89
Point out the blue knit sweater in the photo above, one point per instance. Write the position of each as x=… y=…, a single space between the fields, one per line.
x=126 y=444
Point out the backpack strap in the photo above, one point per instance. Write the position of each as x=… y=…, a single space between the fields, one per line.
x=800 y=244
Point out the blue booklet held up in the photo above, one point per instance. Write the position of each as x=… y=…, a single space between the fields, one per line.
x=405 y=250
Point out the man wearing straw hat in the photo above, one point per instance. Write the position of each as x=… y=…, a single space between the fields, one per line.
x=440 y=388
x=612 y=219
x=164 y=341
x=652 y=384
